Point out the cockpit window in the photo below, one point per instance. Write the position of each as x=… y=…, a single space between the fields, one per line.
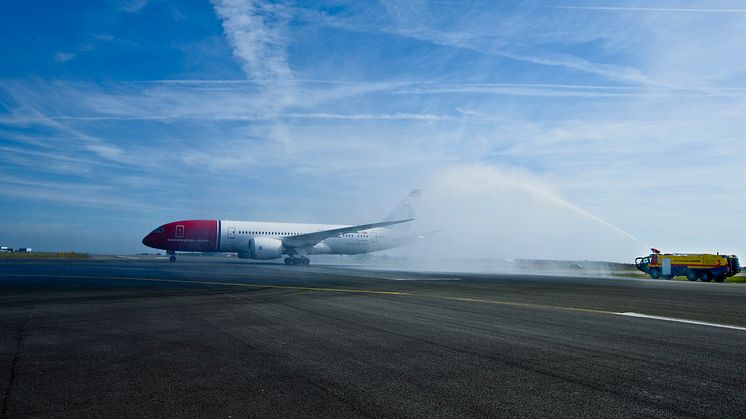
x=158 y=230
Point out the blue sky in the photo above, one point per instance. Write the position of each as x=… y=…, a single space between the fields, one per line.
x=116 y=116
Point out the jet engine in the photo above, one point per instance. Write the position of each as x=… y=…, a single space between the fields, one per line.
x=265 y=248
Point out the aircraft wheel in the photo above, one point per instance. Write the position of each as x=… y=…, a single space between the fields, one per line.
x=305 y=261
x=288 y=261
x=691 y=275
x=705 y=276
x=172 y=258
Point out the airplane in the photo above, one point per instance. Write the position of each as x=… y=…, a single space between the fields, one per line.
x=271 y=240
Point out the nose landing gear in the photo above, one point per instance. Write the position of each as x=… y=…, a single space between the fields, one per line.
x=297 y=260
x=173 y=255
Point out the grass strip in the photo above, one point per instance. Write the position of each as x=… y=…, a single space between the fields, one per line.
x=43 y=255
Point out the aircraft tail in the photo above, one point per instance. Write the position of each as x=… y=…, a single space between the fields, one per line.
x=406 y=209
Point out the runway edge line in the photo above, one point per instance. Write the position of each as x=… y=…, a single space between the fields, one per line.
x=674 y=319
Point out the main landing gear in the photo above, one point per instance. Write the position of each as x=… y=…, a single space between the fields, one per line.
x=173 y=255
x=297 y=261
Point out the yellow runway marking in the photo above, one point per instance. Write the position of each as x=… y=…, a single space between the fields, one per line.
x=291 y=287
x=527 y=305
x=346 y=290
x=244 y=274
x=235 y=284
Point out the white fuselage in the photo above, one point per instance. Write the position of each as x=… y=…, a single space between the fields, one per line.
x=234 y=236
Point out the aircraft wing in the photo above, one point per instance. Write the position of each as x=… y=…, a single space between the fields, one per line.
x=311 y=239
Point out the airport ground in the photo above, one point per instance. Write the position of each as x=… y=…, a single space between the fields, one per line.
x=212 y=337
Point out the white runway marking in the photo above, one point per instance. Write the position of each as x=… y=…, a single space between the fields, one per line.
x=420 y=279
x=673 y=319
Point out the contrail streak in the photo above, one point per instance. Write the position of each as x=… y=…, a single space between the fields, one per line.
x=651 y=9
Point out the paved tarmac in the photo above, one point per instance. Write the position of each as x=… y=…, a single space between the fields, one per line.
x=210 y=337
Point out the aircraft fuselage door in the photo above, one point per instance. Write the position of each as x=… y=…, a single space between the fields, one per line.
x=231 y=232
x=666 y=266
x=373 y=241
x=179 y=231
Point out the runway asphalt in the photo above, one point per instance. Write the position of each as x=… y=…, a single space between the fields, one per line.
x=210 y=337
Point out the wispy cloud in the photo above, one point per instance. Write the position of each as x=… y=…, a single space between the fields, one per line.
x=257 y=32
x=62 y=57
x=413 y=22
x=132 y=6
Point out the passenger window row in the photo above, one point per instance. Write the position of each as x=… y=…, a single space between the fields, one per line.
x=289 y=234
x=273 y=233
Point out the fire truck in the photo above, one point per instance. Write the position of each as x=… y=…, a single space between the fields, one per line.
x=703 y=266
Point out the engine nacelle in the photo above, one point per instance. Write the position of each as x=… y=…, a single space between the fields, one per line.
x=264 y=248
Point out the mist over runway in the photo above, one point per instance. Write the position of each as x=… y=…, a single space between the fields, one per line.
x=215 y=337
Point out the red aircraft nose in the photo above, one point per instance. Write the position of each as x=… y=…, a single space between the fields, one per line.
x=187 y=235
x=156 y=238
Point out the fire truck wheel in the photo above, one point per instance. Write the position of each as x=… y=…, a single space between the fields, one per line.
x=705 y=276
x=691 y=275
x=655 y=273
x=719 y=278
